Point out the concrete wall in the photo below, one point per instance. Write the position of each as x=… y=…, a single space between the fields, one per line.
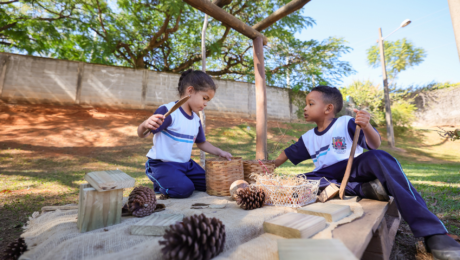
x=438 y=107
x=43 y=80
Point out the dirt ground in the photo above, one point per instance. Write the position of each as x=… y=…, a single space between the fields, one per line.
x=34 y=132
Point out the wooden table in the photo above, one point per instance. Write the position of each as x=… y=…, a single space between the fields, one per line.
x=371 y=236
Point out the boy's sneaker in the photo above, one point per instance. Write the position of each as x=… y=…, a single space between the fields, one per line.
x=443 y=247
x=375 y=190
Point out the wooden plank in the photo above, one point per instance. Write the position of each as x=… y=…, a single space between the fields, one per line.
x=295 y=225
x=98 y=209
x=331 y=212
x=382 y=242
x=109 y=180
x=221 y=15
x=328 y=193
x=357 y=234
x=261 y=100
x=298 y=249
x=155 y=224
x=289 y=8
x=379 y=243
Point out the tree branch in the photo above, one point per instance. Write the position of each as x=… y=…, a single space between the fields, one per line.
x=7 y=26
x=9 y=2
x=100 y=17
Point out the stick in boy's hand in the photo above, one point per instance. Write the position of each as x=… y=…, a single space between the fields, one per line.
x=362 y=117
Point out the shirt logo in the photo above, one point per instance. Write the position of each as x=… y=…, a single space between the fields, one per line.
x=339 y=144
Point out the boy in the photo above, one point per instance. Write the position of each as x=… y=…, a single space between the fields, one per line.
x=374 y=174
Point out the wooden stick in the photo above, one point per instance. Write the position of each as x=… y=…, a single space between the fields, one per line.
x=221 y=15
x=284 y=11
x=350 y=162
x=174 y=108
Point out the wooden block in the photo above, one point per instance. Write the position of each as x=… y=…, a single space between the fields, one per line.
x=155 y=224
x=295 y=225
x=297 y=249
x=331 y=212
x=328 y=193
x=98 y=209
x=109 y=180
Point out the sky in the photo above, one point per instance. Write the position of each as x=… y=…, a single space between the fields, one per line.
x=358 y=21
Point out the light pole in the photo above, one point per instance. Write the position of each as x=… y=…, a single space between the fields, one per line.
x=386 y=92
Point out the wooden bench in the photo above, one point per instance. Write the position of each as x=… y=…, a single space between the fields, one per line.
x=371 y=236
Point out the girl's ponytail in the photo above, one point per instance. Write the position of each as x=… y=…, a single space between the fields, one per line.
x=199 y=80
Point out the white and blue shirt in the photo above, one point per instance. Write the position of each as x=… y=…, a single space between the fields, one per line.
x=327 y=147
x=173 y=140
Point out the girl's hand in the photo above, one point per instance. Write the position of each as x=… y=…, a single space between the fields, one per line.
x=362 y=118
x=154 y=122
x=226 y=155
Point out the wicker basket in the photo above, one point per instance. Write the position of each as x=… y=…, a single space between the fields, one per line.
x=290 y=196
x=253 y=167
x=221 y=173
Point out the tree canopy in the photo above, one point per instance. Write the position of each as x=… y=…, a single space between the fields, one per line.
x=165 y=35
x=399 y=56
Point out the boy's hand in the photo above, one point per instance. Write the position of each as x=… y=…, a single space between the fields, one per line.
x=362 y=118
x=226 y=155
x=154 y=122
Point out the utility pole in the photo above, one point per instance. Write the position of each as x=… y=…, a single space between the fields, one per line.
x=386 y=91
x=454 y=7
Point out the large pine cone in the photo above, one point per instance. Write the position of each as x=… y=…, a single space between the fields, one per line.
x=250 y=198
x=197 y=237
x=142 y=201
x=15 y=249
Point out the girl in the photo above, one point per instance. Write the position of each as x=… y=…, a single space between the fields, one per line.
x=168 y=164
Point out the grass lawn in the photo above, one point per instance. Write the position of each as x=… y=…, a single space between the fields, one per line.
x=46 y=150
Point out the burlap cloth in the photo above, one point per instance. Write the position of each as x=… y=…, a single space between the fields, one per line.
x=54 y=235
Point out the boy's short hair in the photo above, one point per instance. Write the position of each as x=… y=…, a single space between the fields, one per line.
x=331 y=95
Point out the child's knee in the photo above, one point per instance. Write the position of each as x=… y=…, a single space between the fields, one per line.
x=377 y=154
x=182 y=190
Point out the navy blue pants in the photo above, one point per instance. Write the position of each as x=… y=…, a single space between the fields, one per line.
x=377 y=164
x=178 y=180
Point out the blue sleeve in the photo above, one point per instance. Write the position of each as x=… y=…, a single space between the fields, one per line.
x=362 y=138
x=297 y=152
x=200 y=138
x=162 y=110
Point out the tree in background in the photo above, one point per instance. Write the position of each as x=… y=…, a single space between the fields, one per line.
x=31 y=26
x=399 y=56
x=164 y=35
x=367 y=95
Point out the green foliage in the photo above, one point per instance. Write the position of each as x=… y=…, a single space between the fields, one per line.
x=165 y=35
x=399 y=56
x=434 y=86
x=368 y=96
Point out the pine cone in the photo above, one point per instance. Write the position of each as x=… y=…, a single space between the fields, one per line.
x=197 y=237
x=250 y=198
x=142 y=201
x=15 y=249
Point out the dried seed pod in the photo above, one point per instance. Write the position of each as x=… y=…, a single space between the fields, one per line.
x=15 y=249
x=142 y=201
x=197 y=237
x=250 y=198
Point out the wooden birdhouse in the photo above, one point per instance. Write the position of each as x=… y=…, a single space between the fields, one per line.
x=101 y=199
